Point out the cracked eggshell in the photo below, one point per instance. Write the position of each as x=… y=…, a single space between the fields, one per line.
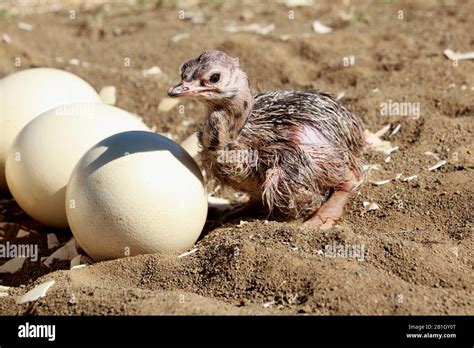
x=45 y=152
x=27 y=94
x=136 y=193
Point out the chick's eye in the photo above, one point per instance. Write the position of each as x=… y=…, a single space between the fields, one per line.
x=215 y=78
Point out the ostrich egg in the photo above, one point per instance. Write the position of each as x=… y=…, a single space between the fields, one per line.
x=43 y=155
x=136 y=193
x=27 y=94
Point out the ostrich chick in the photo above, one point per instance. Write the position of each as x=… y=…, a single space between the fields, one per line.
x=296 y=152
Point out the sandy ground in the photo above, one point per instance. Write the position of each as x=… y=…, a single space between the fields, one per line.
x=418 y=247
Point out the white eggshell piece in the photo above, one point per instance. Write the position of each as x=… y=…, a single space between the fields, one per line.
x=370 y=206
x=321 y=28
x=136 y=193
x=44 y=153
x=76 y=261
x=217 y=201
x=52 y=240
x=13 y=265
x=22 y=233
x=27 y=94
x=187 y=253
x=108 y=95
x=37 y=292
x=67 y=252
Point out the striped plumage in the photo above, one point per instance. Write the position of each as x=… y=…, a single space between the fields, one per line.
x=297 y=152
x=291 y=173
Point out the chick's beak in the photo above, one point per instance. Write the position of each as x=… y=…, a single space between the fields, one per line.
x=186 y=89
x=178 y=90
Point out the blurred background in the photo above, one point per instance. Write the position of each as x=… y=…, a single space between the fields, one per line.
x=354 y=48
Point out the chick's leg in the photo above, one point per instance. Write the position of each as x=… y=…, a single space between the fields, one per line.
x=331 y=210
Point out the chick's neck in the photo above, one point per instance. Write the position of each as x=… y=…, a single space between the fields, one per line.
x=225 y=119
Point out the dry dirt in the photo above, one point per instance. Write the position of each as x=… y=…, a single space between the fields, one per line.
x=418 y=246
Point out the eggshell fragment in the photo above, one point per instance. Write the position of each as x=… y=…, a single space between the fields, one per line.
x=67 y=252
x=370 y=206
x=37 y=292
x=437 y=165
x=13 y=265
x=320 y=28
x=22 y=233
x=52 y=240
x=108 y=95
